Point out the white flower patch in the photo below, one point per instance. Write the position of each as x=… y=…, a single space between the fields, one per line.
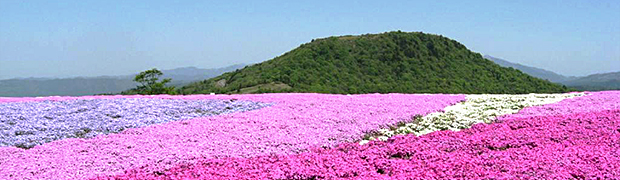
x=479 y=108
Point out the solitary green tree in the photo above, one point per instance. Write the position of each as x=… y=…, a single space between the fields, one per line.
x=149 y=83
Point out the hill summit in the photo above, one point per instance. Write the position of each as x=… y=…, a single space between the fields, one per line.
x=399 y=62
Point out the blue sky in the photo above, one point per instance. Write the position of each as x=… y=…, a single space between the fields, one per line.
x=91 y=38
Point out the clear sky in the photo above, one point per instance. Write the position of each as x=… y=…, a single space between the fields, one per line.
x=107 y=37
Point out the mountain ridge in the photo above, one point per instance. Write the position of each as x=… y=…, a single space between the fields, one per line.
x=592 y=82
x=534 y=71
x=596 y=82
x=76 y=86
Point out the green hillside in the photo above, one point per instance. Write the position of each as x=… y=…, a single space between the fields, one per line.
x=389 y=62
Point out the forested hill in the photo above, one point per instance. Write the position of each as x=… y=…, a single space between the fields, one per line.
x=389 y=62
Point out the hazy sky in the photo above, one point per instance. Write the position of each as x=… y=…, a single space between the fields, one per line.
x=106 y=37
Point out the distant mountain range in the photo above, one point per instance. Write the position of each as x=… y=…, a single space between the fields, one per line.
x=594 y=82
x=78 y=86
x=532 y=71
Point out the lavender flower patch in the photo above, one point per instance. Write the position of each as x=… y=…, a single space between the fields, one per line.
x=26 y=124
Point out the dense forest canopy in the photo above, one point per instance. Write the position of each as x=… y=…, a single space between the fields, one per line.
x=398 y=62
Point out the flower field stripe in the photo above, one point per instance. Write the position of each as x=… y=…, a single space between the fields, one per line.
x=570 y=141
x=29 y=123
x=483 y=108
x=292 y=125
x=594 y=101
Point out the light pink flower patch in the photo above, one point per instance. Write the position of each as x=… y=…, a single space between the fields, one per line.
x=574 y=139
x=296 y=123
x=595 y=101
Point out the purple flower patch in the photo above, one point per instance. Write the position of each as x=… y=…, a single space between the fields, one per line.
x=26 y=124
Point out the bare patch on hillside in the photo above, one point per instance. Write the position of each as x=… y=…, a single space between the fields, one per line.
x=273 y=86
x=220 y=83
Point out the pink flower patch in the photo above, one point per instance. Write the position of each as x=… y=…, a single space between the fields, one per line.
x=293 y=125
